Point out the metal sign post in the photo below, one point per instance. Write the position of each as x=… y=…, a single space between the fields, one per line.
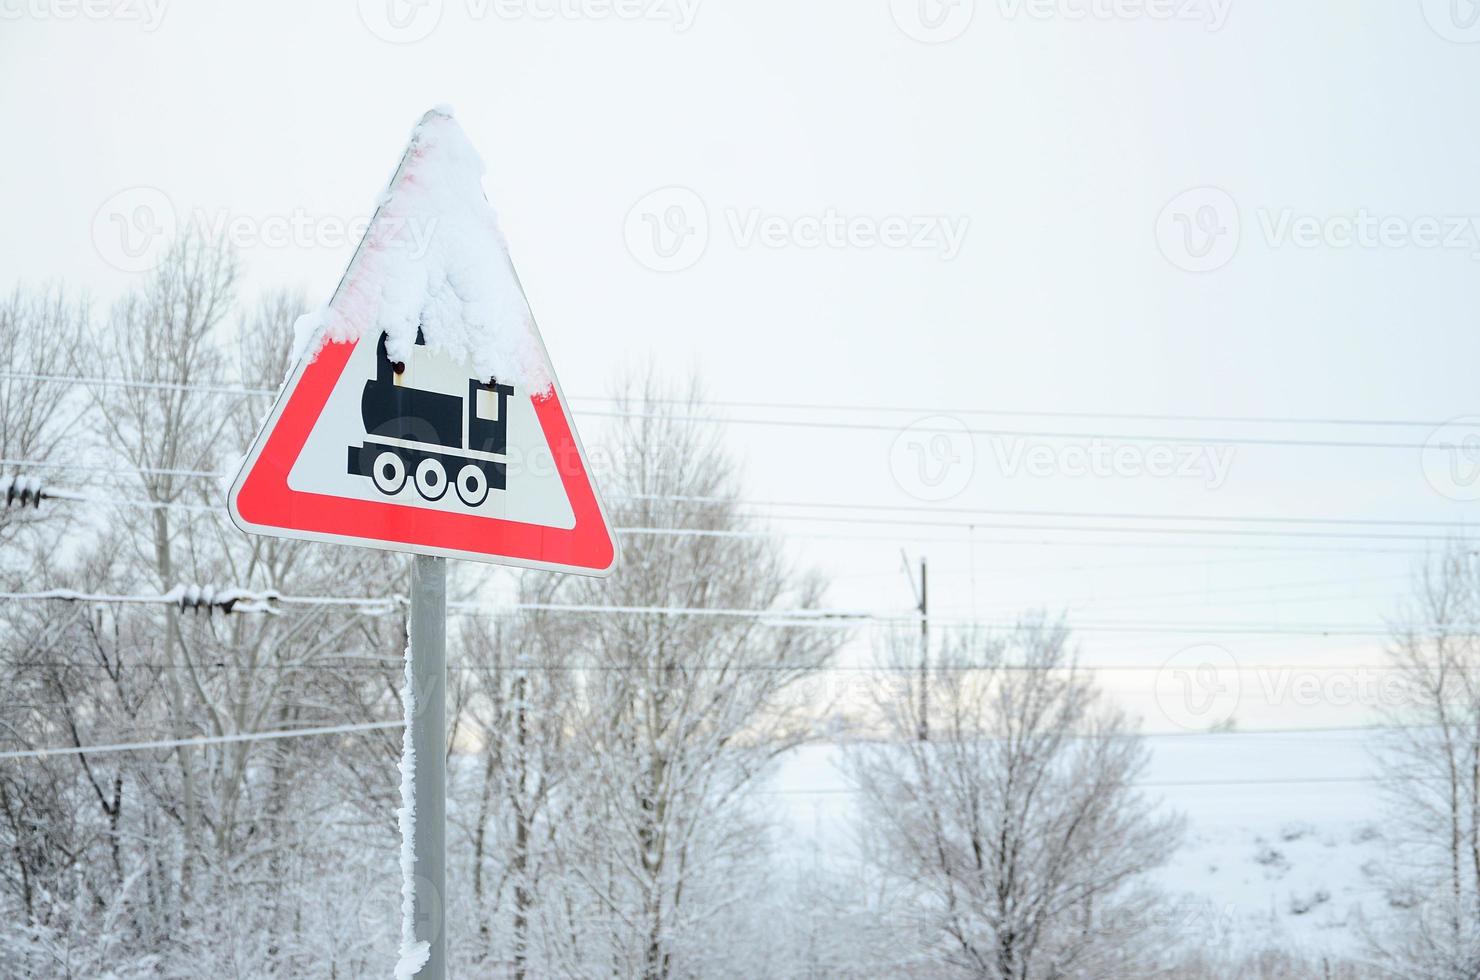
x=429 y=741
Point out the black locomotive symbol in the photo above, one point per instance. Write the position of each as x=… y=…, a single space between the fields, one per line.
x=432 y=439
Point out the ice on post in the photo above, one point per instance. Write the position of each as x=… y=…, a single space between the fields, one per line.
x=414 y=953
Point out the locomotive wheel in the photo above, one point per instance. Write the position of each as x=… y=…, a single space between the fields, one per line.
x=472 y=485
x=389 y=473
x=431 y=479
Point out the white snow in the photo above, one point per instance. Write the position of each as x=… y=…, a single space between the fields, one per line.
x=433 y=257
x=1276 y=865
x=413 y=954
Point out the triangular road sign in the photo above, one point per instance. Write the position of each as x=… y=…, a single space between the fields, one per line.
x=424 y=415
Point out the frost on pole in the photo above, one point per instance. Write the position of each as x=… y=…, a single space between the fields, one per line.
x=423 y=414
x=413 y=954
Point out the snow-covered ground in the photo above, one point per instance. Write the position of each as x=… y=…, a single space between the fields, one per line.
x=1276 y=861
x=1286 y=864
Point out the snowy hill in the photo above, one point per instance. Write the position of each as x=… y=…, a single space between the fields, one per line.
x=1274 y=863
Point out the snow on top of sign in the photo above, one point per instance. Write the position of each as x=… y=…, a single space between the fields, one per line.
x=434 y=258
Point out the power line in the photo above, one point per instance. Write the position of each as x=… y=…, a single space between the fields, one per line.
x=816 y=423
x=1316 y=729
x=100 y=382
x=1167 y=783
x=872 y=507
x=231 y=599
x=811 y=407
x=383 y=725
x=74 y=467
x=1160 y=439
x=1072 y=514
x=1103 y=529
x=1279 y=781
x=73 y=497
x=194 y=742
x=370 y=663
x=920 y=410
x=220 y=512
x=849 y=791
x=237 y=600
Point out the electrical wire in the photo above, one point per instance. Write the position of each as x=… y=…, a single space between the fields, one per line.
x=1160 y=439
x=823 y=424
x=872 y=507
x=74 y=497
x=821 y=791
x=927 y=410
x=812 y=668
x=812 y=407
x=232 y=599
x=194 y=742
x=1172 y=783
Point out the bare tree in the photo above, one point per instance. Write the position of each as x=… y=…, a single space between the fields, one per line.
x=39 y=334
x=212 y=859
x=680 y=713
x=1431 y=753
x=51 y=859
x=1016 y=828
x=162 y=341
x=518 y=708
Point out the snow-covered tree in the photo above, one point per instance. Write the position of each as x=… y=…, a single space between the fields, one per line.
x=206 y=860
x=681 y=713
x=1014 y=834
x=1432 y=755
x=516 y=706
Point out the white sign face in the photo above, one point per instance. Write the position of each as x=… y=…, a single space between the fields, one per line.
x=522 y=455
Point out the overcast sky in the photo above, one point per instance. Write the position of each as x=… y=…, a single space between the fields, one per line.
x=1185 y=207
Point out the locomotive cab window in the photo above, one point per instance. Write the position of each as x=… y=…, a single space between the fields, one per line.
x=487 y=405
